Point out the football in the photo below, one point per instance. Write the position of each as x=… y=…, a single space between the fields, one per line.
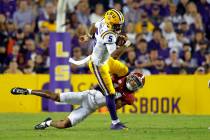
x=121 y=40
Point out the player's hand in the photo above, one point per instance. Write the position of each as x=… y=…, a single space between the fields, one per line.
x=83 y=38
x=121 y=40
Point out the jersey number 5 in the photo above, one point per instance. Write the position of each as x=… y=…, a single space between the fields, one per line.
x=110 y=39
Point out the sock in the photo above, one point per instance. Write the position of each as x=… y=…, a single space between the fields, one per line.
x=48 y=122
x=110 y=103
x=115 y=121
x=29 y=91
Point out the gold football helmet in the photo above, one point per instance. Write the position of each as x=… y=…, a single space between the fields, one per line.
x=114 y=20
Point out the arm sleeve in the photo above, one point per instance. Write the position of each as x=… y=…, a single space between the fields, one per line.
x=128 y=99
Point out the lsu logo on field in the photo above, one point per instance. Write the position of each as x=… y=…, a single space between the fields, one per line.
x=157 y=105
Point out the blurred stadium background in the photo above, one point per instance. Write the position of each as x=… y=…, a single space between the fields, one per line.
x=170 y=46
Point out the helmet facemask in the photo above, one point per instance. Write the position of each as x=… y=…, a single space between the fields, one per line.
x=133 y=83
x=117 y=28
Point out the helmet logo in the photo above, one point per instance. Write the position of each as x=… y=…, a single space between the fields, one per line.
x=112 y=14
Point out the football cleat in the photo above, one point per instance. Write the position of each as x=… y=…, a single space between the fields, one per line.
x=118 y=126
x=43 y=124
x=17 y=91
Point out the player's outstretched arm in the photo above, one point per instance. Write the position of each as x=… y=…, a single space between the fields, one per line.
x=46 y=94
x=42 y=93
x=75 y=117
x=89 y=35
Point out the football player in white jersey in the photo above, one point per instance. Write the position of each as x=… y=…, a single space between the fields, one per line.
x=88 y=100
x=101 y=62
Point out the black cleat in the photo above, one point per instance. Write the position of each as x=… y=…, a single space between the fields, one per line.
x=118 y=126
x=17 y=91
x=42 y=125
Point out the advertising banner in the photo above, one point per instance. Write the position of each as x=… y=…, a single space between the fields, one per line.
x=162 y=94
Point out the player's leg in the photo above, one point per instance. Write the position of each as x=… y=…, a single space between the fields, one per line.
x=79 y=114
x=42 y=93
x=54 y=123
x=66 y=123
x=116 y=67
x=104 y=79
x=67 y=97
x=75 y=117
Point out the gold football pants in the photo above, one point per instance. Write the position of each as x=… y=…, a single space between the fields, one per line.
x=103 y=73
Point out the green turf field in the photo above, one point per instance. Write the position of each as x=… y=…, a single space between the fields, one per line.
x=16 y=126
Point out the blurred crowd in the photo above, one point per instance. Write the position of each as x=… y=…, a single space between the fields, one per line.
x=168 y=36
